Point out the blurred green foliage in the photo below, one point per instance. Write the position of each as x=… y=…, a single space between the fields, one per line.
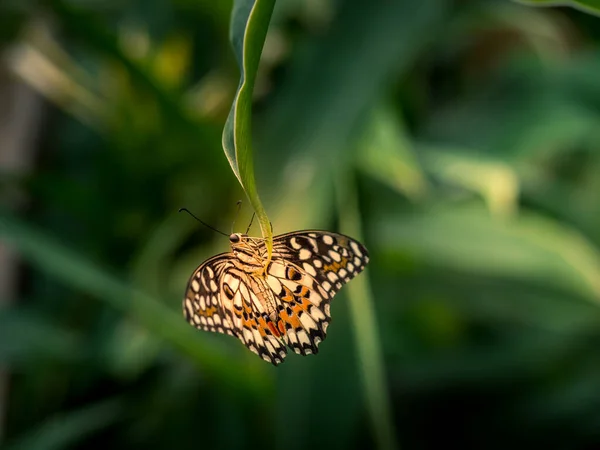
x=460 y=139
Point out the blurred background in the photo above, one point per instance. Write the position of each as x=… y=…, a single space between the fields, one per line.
x=460 y=140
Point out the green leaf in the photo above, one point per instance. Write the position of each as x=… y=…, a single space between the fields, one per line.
x=249 y=25
x=526 y=247
x=588 y=6
x=366 y=330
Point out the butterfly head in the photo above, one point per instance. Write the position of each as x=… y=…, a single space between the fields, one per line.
x=236 y=238
x=247 y=249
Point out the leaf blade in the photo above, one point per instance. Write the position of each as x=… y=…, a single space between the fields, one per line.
x=249 y=24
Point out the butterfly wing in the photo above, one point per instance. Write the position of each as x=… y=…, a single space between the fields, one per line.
x=244 y=297
x=221 y=297
x=308 y=268
x=202 y=306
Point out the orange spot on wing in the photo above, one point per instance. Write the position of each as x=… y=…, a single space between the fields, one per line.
x=292 y=320
x=267 y=324
x=335 y=266
x=281 y=326
x=289 y=295
x=208 y=312
x=274 y=330
x=303 y=292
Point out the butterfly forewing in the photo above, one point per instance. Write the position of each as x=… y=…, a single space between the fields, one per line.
x=308 y=268
x=288 y=304
x=202 y=306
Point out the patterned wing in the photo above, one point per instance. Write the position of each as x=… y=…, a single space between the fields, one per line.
x=222 y=298
x=307 y=270
x=244 y=299
x=202 y=305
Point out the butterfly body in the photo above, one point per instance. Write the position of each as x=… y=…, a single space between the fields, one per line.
x=274 y=303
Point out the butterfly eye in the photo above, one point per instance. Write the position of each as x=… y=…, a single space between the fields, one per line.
x=234 y=238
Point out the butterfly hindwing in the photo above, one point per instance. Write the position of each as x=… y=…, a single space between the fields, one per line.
x=299 y=303
x=219 y=299
x=253 y=326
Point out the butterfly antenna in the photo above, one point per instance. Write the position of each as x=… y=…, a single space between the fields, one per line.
x=203 y=223
x=251 y=220
x=239 y=206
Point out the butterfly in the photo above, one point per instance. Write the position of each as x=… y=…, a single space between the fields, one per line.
x=274 y=304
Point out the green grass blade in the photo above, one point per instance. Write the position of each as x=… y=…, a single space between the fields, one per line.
x=79 y=273
x=27 y=337
x=249 y=24
x=365 y=327
x=588 y=6
x=66 y=430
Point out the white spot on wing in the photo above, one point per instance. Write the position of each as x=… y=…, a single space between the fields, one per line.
x=277 y=269
x=318 y=263
x=310 y=269
x=244 y=291
x=237 y=299
x=317 y=313
x=303 y=337
x=233 y=282
x=304 y=254
x=195 y=285
x=307 y=321
x=355 y=248
x=327 y=239
x=189 y=307
x=335 y=256
x=248 y=336
x=274 y=284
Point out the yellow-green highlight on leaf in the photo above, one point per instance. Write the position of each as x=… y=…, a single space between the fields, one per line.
x=386 y=153
x=249 y=24
x=495 y=181
x=588 y=6
x=362 y=310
